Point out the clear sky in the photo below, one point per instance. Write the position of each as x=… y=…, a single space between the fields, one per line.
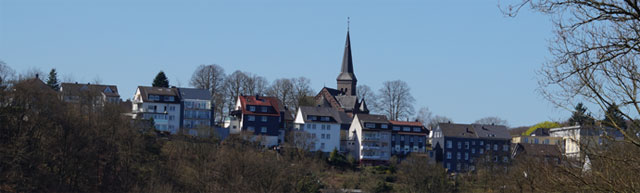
x=462 y=59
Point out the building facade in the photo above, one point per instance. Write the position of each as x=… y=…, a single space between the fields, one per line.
x=408 y=137
x=370 y=139
x=458 y=147
x=262 y=117
x=196 y=109
x=318 y=128
x=162 y=105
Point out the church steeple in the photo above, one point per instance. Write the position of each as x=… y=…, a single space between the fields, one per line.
x=347 y=79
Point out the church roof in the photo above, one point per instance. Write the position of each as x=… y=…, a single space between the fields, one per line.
x=347 y=63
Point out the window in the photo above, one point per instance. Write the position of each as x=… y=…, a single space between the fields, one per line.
x=370 y=125
x=473 y=142
x=466 y=145
x=171 y=117
x=448 y=166
x=324 y=118
x=396 y=128
x=313 y=118
x=308 y=126
x=535 y=140
x=459 y=145
x=449 y=144
x=458 y=155
x=250 y=128
x=313 y=126
x=495 y=147
x=448 y=155
x=321 y=145
x=384 y=126
x=473 y=150
x=505 y=147
x=495 y=158
x=313 y=135
x=172 y=108
x=252 y=108
x=410 y=139
x=416 y=129
x=264 y=118
x=169 y=98
x=419 y=139
x=481 y=151
x=393 y=137
x=251 y=118
x=401 y=137
x=546 y=141
x=322 y=136
x=488 y=146
x=505 y=159
x=466 y=156
x=406 y=129
x=458 y=167
x=481 y=142
x=263 y=129
x=263 y=109
x=526 y=140
x=328 y=136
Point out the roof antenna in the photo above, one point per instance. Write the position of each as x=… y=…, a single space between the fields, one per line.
x=347 y=24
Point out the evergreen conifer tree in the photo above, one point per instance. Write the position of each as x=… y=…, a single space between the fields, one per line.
x=161 y=80
x=613 y=117
x=581 y=116
x=53 y=80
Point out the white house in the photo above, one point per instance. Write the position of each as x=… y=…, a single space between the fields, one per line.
x=370 y=136
x=575 y=138
x=318 y=128
x=160 y=104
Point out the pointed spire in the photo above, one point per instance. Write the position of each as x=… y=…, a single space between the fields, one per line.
x=347 y=62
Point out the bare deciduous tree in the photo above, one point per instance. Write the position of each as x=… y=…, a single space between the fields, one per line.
x=211 y=77
x=439 y=119
x=395 y=100
x=424 y=116
x=594 y=54
x=6 y=73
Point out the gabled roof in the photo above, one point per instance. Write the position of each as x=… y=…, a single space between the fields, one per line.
x=407 y=123
x=194 y=93
x=474 y=131
x=338 y=117
x=372 y=118
x=75 y=89
x=346 y=72
x=347 y=102
x=145 y=91
x=261 y=101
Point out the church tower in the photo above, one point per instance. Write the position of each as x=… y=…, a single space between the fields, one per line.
x=347 y=79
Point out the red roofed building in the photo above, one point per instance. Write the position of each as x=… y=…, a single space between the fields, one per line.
x=260 y=116
x=408 y=137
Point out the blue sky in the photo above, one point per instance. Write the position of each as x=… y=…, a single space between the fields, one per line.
x=462 y=59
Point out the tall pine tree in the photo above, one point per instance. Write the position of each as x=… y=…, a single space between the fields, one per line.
x=53 y=80
x=613 y=117
x=161 y=80
x=581 y=116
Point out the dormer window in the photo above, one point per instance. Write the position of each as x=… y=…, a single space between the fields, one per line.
x=406 y=129
x=313 y=118
x=396 y=128
x=384 y=126
x=370 y=125
x=324 y=118
x=154 y=97
x=263 y=109
x=252 y=108
x=169 y=98
x=108 y=90
x=416 y=129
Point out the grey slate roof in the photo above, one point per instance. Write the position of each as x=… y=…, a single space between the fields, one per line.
x=337 y=116
x=474 y=131
x=347 y=62
x=145 y=91
x=194 y=93
x=372 y=118
x=75 y=89
x=538 y=150
x=347 y=102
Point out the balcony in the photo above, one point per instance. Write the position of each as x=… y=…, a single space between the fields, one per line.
x=369 y=157
x=161 y=122
x=370 y=138
x=370 y=147
x=141 y=110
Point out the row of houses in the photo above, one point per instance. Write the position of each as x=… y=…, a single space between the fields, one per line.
x=339 y=120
